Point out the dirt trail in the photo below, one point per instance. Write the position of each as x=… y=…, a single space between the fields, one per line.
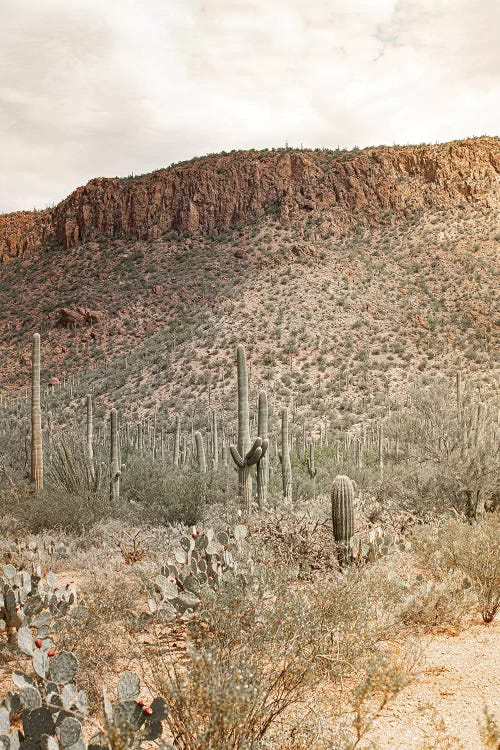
x=460 y=675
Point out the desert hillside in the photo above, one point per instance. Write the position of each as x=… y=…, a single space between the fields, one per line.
x=345 y=274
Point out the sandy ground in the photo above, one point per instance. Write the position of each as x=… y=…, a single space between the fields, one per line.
x=459 y=676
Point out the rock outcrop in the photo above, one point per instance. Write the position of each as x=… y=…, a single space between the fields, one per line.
x=211 y=193
x=79 y=317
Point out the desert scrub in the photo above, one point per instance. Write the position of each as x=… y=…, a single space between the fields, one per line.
x=445 y=605
x=257 y=660
x=162 y=496
x=473 y=549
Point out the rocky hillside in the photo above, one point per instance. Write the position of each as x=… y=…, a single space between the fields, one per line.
x=345 y=274
x=212 y=193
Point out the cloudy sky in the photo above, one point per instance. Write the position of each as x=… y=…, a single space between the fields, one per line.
x=109 y=87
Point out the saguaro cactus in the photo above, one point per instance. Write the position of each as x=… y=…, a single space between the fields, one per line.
x=200 y=452
x=177 y=440
x=90 y=434
x=311 y=466
x=115 y=458
x=245 y=455
x=343 y=517
x=215 y=441
x=381 y=450
x=286 y=466
x=36 y=418
x=262 y=465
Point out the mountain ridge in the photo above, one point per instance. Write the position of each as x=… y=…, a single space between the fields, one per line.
x=212 y=193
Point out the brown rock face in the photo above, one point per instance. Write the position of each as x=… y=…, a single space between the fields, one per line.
x=78 y=317
x=214 y=192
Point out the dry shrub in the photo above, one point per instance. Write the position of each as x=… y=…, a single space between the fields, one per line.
x=473 y=549
x=261 y=650
x=442 y=606
x=99 y=634
x=297 y=541
x=490 y=730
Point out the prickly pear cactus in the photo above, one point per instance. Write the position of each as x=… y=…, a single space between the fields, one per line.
x=52 y=711
x=202 y=561
x=368 y=546
x=27 y=599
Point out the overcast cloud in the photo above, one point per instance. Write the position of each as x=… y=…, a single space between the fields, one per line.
x=108 y=87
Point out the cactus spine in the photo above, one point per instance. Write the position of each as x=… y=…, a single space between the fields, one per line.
x=286 y=466
x=200 y=452
x=343 y=517
x=262 y=465
x=245 y=455
x=36 y=418
x=115 y=458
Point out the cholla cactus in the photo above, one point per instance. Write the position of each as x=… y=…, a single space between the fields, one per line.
x=343 y=517
x=245 y=455
x=36 y=418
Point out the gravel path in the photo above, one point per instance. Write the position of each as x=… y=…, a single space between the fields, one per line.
x=460 y=675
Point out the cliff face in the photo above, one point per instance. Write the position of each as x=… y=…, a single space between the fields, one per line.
x=214 y=192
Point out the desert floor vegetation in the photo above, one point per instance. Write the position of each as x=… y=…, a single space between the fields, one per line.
x=181 y=584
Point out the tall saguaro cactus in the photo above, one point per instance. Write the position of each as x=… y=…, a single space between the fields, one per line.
x=343 y=517
x=286 y=466
x=215 y=440
x=381 y=450
x=245 y=455
x=200 y=452
x=177 y=440
x=36 y=418
x=90 y=435
x=115 y=458
x=262 y=465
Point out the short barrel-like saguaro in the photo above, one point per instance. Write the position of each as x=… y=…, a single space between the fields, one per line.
x=115 y=458
x=343 y=517
x=36 y=418
x=245 y=455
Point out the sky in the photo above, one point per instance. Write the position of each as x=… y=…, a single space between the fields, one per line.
x=93 y=88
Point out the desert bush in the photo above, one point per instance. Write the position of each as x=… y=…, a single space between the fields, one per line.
x=490 y=730
x=71 y=470
x=473 y=549
x=441 y=606
x=451 y=455
x=162 y=496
